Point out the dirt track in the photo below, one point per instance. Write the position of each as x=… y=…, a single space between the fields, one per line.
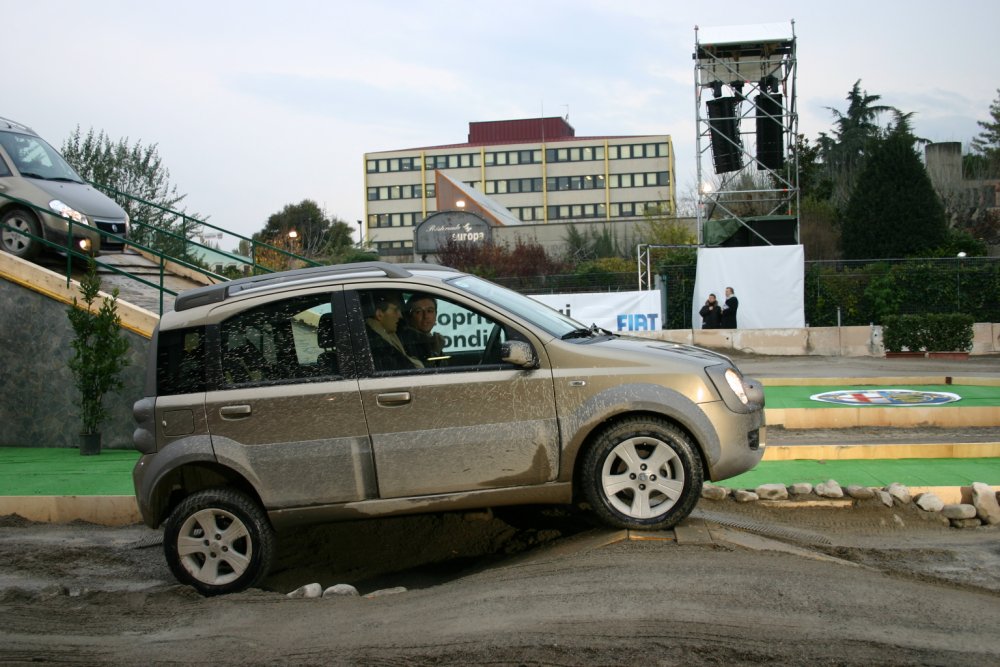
x=867 y=585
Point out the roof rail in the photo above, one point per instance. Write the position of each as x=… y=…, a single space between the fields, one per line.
x=13 y=124
x=218 y=293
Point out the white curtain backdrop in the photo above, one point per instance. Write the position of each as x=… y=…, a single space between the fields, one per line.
x=767 y=280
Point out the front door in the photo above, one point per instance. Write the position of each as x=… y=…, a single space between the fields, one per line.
x=457 y=419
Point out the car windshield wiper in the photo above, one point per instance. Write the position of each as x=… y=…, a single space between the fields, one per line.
x=587 y=332
x=63 y=179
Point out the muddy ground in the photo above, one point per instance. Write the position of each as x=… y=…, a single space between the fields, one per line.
x=735 y=584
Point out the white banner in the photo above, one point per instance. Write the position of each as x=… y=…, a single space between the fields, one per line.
x=620 y=312
x=768 y=281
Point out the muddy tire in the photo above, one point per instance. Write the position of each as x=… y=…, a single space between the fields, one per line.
x=13 y=241
x=219 y=541
x=643 y=474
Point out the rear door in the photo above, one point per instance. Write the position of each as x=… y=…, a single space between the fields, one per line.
x=286 y=408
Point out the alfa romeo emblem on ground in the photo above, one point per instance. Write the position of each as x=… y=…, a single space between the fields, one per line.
x=886 y=397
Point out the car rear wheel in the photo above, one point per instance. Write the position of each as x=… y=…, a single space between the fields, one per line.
x=218 y=541
x=643 y=474
x=14 y=225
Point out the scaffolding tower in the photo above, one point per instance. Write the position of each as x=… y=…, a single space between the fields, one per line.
x=745 y=105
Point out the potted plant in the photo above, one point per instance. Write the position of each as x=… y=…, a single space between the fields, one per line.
x=99 y=355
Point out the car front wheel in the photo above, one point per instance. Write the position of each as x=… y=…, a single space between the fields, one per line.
x=642 y=474
x=219 y=541
x=14 y=229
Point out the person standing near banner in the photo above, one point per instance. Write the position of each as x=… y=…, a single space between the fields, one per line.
x=711 y=314
x=729 y=311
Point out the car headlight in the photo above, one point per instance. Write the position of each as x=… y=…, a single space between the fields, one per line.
x=736 y=384
x=68 y=212
x=739 y=393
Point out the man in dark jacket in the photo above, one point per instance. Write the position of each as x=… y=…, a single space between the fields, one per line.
x=385 y=309
x=417 y=333
x=729 y=312
x=711 y=314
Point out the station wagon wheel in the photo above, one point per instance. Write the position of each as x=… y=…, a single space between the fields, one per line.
x=218 y=541
x=643 y=474
x=17 y=243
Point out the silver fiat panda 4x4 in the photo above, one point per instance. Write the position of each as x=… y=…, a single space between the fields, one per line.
x=377 y=389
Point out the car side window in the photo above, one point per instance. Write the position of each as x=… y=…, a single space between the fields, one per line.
x=180 y=361
x=417 y=332
x=284 y=341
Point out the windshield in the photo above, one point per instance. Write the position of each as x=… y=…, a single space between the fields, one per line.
x=537 y=313
x=34 y=158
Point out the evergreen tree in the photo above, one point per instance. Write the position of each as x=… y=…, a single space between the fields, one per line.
x=987 y=144
x=134 y=172
x=844 y=153
x=893 y=210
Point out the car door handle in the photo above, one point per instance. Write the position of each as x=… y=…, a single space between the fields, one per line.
x=393 y=398
x=235 y=411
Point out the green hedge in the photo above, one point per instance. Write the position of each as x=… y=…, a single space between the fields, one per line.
x=949 y=332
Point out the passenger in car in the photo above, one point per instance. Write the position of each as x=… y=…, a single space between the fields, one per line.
x=417 y=333
x=388 y=352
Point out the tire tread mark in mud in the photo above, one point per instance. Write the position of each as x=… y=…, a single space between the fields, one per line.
x=761 y=528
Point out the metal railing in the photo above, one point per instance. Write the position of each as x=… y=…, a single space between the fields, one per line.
x=164 y=250
x=256 y=248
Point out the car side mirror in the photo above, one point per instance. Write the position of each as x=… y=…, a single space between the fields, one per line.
x=519 y=353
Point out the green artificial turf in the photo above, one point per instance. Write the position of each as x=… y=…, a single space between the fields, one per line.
x=798 y=397
x=40 y=471
x=878 y=472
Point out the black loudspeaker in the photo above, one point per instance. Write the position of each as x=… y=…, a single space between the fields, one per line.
x=727 y=147
x=778 y=230
x=770 y=131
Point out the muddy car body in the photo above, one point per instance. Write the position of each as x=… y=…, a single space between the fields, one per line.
x=265 y=407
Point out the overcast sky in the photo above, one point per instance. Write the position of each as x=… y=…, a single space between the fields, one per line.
x=254 y=105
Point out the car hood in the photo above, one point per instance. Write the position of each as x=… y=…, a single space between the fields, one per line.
x=633 y=346
x=82 y=197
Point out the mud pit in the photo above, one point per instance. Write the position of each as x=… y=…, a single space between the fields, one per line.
x=850 y=586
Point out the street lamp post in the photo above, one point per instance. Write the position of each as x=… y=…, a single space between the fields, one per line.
x=361 y=233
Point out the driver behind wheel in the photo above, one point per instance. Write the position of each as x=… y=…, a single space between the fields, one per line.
x=417 y=333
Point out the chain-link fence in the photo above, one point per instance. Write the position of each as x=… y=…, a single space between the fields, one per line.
x=836 y=293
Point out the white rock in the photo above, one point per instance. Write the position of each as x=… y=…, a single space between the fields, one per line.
x=712 y=492
x=340 y=590
x=984 y=499
x=959 y=511
x=386 y=591
x=307 y=591
x=898 y=520
x=772 y=492
x=744 y=496
x=860 y=492
x=800 y=489
x=899 y=492
x=829 y=489
x=884 y=497
x=929 y=502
